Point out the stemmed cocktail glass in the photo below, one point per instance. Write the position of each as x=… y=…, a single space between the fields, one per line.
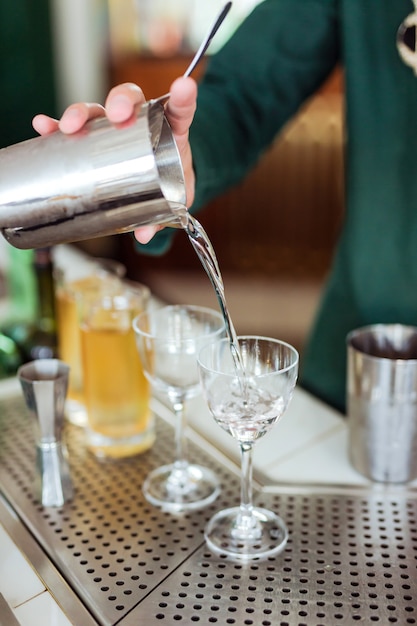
x=246 y=401
x=169 y=340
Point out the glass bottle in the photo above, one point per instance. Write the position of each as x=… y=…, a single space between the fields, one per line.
x=21 y=310
x=42 y=341
x=32 y=323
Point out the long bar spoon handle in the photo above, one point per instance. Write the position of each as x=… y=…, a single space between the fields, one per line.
x=202 y=49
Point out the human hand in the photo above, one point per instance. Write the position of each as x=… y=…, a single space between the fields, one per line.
x=119 y=107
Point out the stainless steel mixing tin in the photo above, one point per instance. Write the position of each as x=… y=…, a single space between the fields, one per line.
x=102 y=180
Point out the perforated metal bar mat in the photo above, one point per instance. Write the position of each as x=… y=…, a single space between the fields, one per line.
x=351 y=557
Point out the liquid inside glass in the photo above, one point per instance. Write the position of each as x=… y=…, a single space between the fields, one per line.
x=116 y=391
x=69 y=296
x=248 y=421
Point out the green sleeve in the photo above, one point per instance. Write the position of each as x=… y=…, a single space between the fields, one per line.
x=277 y=58
x=26 y=68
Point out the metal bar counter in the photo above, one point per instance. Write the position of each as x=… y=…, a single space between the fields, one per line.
x=108 y=557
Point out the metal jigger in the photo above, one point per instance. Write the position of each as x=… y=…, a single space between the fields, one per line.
x=44 y=384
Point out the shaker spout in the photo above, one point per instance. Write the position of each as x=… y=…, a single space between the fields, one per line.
x=155 y=120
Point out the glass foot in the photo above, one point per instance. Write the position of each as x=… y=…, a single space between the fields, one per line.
x=261 y=535
x=181 y=488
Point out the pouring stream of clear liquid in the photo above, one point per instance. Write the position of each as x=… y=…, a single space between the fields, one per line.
x=205 y=252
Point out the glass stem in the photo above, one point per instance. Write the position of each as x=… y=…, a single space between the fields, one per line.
x=247 y=526
x=246 y=479
x=180 y=439
x=178 y=481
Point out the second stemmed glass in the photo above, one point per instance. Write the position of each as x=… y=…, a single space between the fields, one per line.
x=246 y=401
x=169 y=340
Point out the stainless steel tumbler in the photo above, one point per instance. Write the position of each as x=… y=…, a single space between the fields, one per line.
x=102 y=180
x=382 y=402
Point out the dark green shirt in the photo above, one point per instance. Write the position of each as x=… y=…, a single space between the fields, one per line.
x=26 y=68
x=278 y=58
